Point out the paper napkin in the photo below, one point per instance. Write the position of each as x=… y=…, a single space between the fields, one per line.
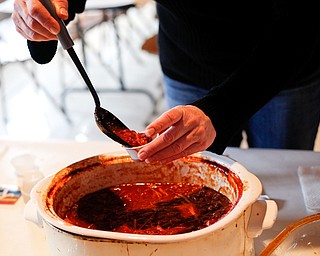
x=310 y=183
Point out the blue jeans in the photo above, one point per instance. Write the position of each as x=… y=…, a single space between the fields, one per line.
x=289 y=121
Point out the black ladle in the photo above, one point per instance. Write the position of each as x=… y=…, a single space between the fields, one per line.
x=107 y=122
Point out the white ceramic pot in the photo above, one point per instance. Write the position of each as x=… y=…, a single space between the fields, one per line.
x=232 y=235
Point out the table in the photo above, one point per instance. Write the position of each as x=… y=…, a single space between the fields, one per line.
x=276 y=169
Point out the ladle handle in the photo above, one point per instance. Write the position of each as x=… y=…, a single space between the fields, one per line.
x=67 y=44
x=63 y=36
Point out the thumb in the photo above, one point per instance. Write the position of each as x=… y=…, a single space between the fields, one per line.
x=61 y=7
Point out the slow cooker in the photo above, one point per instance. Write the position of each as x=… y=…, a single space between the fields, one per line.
x=232 y=235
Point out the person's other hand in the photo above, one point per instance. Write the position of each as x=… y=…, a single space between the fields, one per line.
x=183 y=130
x=34 y=22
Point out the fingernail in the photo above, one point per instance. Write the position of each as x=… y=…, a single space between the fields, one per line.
x=150 y=132
x=142 y=155
x=54 y=30
x=64 y=11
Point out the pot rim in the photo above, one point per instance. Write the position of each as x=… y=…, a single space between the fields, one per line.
x=251 y=192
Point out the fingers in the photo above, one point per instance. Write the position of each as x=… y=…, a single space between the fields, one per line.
x=34 y=22
x=165 y=145
x=188 y=151
x=164 y=122
x=181 y=147
x=31 y=29
x=190 y=131
x=170 y=127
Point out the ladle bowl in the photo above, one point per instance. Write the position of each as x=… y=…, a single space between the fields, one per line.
x=110 y=125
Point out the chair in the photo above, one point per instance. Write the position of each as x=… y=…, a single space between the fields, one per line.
x=13 y=50
x=110 y=10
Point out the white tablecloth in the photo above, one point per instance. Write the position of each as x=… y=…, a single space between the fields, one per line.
x=276 y=169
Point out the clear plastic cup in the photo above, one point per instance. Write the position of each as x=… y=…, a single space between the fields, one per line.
x=28 y=182
x=23 y=164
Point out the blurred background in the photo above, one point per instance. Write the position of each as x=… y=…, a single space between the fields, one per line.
x=116 y=42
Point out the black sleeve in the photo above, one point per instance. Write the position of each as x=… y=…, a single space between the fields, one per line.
x=43 y=52
x=284 y=51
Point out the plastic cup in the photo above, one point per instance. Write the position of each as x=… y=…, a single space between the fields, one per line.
x=23 y=164
x=133 y=151
x=28 y=182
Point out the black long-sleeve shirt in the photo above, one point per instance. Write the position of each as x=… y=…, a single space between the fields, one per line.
x=243 y=52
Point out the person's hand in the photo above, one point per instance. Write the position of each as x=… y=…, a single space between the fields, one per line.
x=183 y=130
x=34 y=22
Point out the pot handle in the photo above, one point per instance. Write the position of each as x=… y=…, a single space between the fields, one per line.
x=263 y=215
x=31 y=213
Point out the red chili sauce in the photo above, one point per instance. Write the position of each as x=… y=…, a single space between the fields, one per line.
x=133 y=138
x=150 y=208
